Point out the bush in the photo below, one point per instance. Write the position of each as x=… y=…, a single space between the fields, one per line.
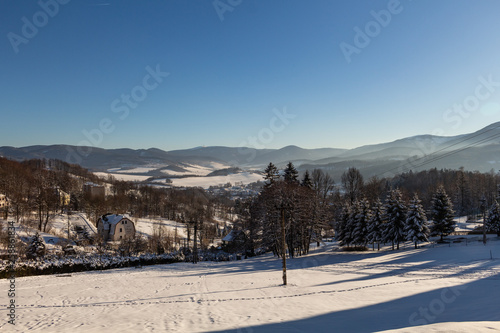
x=355 y=248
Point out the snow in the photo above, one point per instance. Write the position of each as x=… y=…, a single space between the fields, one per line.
x=134 y=170
x=206 y=182
x=124 y=177
x=430 y=289
x=111 y=220
x=60 y=222
x=230 y=236
x=196 y=170
x=149 y=226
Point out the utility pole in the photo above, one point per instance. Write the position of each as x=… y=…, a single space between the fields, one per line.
x=68 y=225
x=283 y=243
x=195 y=244
x=483 y=210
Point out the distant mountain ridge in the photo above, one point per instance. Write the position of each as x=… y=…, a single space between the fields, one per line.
x=475 y=151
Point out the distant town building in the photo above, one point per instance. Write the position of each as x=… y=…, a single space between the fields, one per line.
x=94 y=190
x=4 y=202
x=4 y=206
x=64 y=198
x=112 y=227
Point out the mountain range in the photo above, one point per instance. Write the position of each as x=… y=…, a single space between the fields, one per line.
x=474 y=151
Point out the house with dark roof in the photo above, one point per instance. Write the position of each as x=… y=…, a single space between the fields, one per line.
x=235 y=241
x=112 y=227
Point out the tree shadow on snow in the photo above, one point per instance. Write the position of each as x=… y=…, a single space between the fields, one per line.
x=468 y=302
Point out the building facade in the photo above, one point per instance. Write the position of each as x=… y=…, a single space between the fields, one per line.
x=112 y=227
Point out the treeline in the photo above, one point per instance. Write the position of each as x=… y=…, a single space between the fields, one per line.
x=467 y=190
x=364 y=212
x=32 y=187
x=394 y=221
x=288 y=210
x=33 y=191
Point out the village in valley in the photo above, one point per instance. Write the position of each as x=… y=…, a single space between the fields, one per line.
x=72 y=228
x=250 y=166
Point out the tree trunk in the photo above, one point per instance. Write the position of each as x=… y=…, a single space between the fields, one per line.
x=283 y=244
x=195 y=244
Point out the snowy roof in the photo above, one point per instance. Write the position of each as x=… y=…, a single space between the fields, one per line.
x=109 y=220
x=230 y=236
x=93 y=184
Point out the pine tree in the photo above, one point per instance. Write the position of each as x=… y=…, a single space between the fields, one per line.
x=416 y=228
x=376 y=225
x=342 y=234
x=493 y=220
x=36 y=247
x=360 y=230
x=351 y=223
x=291 y=174
x=395 y=216
x=307 y=182
x=271 y=174
x=442 y=214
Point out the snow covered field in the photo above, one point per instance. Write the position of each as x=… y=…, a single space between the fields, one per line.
x=149 y=226
x=123 y=177
x=440 y=289
x=205 y=182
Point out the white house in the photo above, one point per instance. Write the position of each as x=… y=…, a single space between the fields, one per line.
x=113 y=227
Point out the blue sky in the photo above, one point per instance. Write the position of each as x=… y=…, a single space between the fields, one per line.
x=233 y=65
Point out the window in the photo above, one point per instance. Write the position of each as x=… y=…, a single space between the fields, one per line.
x=120 y=231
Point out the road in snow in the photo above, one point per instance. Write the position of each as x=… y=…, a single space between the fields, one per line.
x=425 y=290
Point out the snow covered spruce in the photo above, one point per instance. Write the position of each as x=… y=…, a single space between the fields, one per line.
x=394 y=222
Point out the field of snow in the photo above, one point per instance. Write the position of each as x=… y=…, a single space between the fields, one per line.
x=196 y=170
x=432 y=289
x=124 y=177
x=206 y=182
x=134 y=170
x=149 y=226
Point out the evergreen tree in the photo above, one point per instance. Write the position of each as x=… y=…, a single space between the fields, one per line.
x=416 y=228
x=351 y=223
x=493 y=220
x=442 y=214
x=341 y=226
x=291 y=174
x=36 y=247
x=271 y=174
x=307 y=182
x=395 y=216
x=376 y=225
x=360 y=225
